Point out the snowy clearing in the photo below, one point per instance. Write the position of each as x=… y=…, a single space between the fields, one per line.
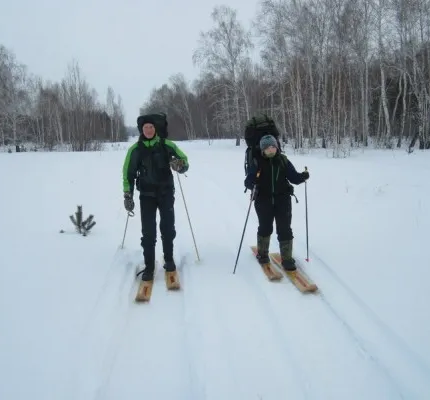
x=70 y=329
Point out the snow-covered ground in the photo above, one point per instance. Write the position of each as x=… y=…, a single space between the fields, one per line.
x=69 y=328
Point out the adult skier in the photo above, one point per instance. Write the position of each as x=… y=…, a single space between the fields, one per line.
x=147 y=168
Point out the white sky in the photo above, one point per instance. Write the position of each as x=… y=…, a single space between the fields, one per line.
x=131 y=45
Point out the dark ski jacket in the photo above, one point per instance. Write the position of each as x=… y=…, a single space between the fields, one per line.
x=148 y=163
x=276 y=175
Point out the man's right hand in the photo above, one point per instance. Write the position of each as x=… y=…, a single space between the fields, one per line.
x=128 y=201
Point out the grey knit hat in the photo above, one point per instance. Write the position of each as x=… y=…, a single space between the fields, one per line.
x=267 y=141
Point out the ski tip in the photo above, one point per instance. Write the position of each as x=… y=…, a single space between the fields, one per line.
x=312 y=288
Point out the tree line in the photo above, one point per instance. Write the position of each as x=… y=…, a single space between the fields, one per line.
x=330 y=72
x=46 y=114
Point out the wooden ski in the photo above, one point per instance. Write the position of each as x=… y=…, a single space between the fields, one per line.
x=297 y=277
x=144 y=292
x=172 y=280
x=269 y=269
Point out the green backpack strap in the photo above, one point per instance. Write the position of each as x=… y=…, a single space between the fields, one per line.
x=284 y=160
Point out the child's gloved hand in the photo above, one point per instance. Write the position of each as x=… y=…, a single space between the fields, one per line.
x=250 y=181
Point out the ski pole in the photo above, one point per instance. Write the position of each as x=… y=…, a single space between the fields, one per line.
x=129 y=214
x=246 y=222
x=188 y=216
x=307 y=230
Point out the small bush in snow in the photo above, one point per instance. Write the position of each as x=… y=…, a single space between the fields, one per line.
x=82 y=226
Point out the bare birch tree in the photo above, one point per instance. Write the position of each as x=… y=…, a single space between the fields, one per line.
x=181 y=90
x=222 y=50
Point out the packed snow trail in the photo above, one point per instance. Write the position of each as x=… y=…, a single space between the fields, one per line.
x=153 y=352
x=240 y=355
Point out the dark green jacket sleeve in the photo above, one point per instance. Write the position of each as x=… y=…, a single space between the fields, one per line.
x=177 y=153
x=292 y=175
x=130 y=168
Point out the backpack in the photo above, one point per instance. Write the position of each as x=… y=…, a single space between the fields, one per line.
x=255 y=129
x=160 y=123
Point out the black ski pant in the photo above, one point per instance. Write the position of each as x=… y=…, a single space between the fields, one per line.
x=164 y=202
x=270 y=209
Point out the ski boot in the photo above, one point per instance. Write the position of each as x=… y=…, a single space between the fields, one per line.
x=263 y=244
x=169 y=266
x=148 y=273
x=288 y=262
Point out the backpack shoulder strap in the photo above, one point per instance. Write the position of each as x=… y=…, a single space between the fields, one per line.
x=284 y=160
x=251 y=162
x=141 y=149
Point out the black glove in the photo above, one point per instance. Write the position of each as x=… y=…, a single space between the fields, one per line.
x=128 y=201
x=305 y=175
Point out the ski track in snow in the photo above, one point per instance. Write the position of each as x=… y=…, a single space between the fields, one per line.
x=118 y=259
x=104 y=324
x=243 y=354
x=137 y=363
x=405 y=369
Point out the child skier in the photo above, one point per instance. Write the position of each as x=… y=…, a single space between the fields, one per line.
x=272 y=197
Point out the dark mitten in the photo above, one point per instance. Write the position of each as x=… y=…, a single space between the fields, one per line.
x=249 y=181
x=128 y=201
x=182 y=169
x=305 y=175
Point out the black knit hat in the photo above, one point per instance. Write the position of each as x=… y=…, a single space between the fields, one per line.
x=144 y=119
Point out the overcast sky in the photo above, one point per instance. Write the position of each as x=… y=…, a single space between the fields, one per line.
x=132 y=45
